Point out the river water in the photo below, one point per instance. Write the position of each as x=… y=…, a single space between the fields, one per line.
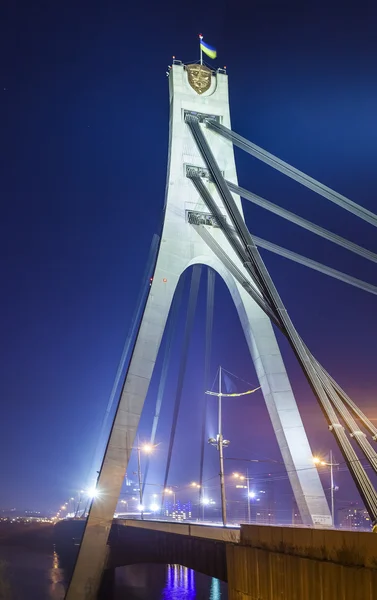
x=33 y=575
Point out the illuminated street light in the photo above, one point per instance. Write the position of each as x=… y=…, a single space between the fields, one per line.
x=205 y=501
x=92 y=493
x=318 y=461
x=195 y=485
x=63 y=507
x=171 y=492
x=154 y=507
x=140 y=508
x=220 y=444
x=250 y=495
x=147 y=449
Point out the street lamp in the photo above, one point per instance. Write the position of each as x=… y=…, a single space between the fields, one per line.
x=171 y=492
x=147 y=449
x=92 y=493
x=318 y=461
x=250 y=495
x=220 y=444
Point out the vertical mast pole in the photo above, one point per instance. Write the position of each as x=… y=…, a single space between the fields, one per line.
x=139 y=477
x=248 y=497
x=200 y=46
x=332 y=488
x=221 y=456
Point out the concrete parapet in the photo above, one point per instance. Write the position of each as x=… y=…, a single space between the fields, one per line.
x=347 y=548
x=256 y=574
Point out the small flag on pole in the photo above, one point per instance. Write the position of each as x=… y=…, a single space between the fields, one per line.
x=207 y=49
x=229 y=385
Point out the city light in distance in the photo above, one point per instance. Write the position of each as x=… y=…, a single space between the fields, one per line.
x=252 y=495
x=154 y=507
x=140 y=508
x=195 y=485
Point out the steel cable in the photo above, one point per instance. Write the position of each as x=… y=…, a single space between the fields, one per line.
x=301 y=222
x=360 y=477
x=299 y=176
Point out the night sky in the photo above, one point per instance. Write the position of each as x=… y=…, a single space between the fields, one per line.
x=83 y=151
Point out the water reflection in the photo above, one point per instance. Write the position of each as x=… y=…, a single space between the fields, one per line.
x=180 y=583
x=33 y=574
x=215 y=590
x=56 y=577
x=43 y=576
x=166 y=582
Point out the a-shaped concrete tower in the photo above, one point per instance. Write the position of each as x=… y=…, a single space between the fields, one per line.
x=195 y=88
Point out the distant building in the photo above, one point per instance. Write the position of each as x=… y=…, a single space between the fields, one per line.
x=354 y=517
x=179 y=511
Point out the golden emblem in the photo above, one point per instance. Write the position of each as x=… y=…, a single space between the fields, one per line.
x=199 y=77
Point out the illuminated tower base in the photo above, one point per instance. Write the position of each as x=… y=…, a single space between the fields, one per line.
x=195 y=88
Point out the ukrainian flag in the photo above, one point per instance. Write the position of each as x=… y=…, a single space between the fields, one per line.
x=207 y=49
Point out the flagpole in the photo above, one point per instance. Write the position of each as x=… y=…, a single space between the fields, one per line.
x=200 y=46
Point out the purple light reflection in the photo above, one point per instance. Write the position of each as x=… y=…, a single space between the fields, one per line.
x=180 y=583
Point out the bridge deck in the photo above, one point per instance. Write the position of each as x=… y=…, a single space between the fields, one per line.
x=208 y=532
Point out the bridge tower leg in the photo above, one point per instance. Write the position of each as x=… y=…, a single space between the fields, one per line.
x=194 y=88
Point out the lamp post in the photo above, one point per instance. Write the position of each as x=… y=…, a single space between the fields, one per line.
x=172 y=493
x=200 y=488
x=147 y=448
x=250 y=495
x=220 y=444
x=318 y=461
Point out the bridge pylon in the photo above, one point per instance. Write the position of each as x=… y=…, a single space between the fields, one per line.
x=195 y=89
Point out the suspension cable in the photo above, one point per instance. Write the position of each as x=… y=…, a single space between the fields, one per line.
x=360 y=477
x=301 y=222
x=316 y=266
x=335 y=397
x=283 y=167
x=216 y=248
